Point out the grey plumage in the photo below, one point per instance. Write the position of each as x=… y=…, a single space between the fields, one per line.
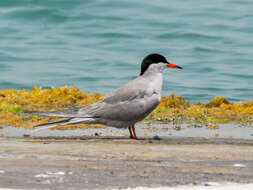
x=127 y=105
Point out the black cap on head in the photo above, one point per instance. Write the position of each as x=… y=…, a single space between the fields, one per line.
x=151 y=59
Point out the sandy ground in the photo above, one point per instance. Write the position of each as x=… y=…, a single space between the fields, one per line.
x=115 y=163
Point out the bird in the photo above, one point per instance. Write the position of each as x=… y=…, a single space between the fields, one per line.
x=126 y=106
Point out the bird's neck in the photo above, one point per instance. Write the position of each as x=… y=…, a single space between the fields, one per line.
x=155 y=80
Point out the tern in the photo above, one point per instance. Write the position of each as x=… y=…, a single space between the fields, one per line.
x=126 y=106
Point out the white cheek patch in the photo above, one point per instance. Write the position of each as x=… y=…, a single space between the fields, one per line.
x=158 y=67
x=161 y=66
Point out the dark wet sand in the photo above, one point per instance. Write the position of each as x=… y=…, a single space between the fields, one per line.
x=105 y=163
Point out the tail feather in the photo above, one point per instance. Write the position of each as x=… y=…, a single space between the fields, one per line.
x=52 y=124
x=67 y=121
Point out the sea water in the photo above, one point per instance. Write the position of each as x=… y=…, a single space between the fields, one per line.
x=98 y=45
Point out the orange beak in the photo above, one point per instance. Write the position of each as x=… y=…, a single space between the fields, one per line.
x=172 y=65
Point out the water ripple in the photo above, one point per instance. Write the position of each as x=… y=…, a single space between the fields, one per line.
x=98 y=45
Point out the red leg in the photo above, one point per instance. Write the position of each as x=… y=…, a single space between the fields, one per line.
x=131 y=134
x=134 y=134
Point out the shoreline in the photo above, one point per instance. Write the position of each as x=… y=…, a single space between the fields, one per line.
x=115 y=163
x=143 y=130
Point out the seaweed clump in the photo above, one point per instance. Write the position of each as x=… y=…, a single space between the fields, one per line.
x=173 y=109
x=217 y=101
x=219 y=110
x=14 y=102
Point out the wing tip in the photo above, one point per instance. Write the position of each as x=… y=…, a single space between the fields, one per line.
x=41 y=113
x=32 y=112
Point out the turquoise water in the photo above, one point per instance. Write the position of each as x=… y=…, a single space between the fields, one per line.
x=98 y=45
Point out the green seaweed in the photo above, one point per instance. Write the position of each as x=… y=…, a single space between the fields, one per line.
x=12 y=108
